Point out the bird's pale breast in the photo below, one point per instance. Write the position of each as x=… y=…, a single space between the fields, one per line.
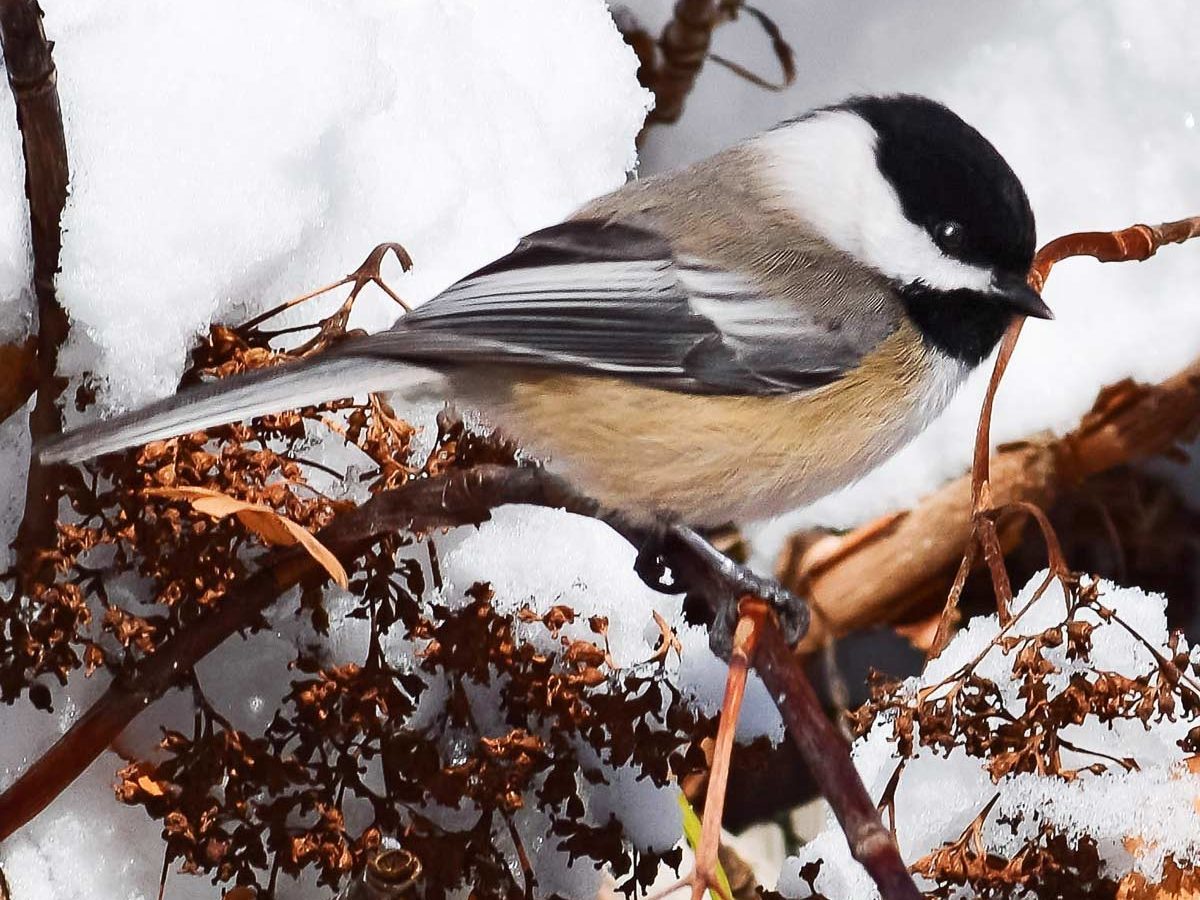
x=714 y=459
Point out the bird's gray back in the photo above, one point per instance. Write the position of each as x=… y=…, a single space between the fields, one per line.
x=702 y=284
x=742 y=224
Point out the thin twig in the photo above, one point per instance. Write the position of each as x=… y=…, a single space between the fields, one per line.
x=522 y=858
x=706 y=875
x=33 y=79
x=333 y=327
x=783 y=53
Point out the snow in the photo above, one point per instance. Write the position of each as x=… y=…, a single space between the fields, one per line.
x=85 y=845
x=261 y=169
x=1150 y=809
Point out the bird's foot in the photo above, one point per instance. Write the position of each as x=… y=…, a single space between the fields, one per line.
x=650 y=564
x=791 y=611
x=697 y=567
x=726 y=583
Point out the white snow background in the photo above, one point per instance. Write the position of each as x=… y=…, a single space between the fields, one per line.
x=227 y=155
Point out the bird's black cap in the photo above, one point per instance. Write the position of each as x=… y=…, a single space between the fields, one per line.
x=945 y=171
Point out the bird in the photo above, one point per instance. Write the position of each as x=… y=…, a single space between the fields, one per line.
x=724 y=342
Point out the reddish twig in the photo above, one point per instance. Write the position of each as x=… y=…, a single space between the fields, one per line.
x=1133 y=244
x=33 y=79
x=753 y=615
x=1136 y=243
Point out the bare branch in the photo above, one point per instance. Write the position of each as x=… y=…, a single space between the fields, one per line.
x=827 y=755
x=32 y=76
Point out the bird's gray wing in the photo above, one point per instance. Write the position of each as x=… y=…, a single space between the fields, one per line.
x=599 y=297
x=584 y=296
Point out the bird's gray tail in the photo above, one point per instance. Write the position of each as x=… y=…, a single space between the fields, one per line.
x=288 y=386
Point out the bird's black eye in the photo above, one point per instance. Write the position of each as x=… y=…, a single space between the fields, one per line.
x=949 y=237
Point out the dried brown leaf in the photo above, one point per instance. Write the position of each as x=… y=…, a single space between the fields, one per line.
x=273 y=528
x=150 y=786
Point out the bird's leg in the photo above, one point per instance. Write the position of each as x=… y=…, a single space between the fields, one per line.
x=697 y=567
x=702 y=568
x=752 y=613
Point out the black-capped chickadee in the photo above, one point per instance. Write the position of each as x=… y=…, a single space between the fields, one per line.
x=724 y=342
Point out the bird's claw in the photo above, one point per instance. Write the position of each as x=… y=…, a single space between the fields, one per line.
x=791 y=611
x=651 y=566
x=722 y=580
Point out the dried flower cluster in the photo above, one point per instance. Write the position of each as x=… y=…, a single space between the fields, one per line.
x=137 y=561
x=1027 y=733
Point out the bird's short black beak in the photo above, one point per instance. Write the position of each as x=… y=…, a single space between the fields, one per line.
x=1021 y=298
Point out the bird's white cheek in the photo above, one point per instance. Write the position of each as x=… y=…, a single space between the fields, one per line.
x=823 y=170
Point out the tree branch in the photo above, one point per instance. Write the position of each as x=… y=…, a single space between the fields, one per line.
x=32 y=76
